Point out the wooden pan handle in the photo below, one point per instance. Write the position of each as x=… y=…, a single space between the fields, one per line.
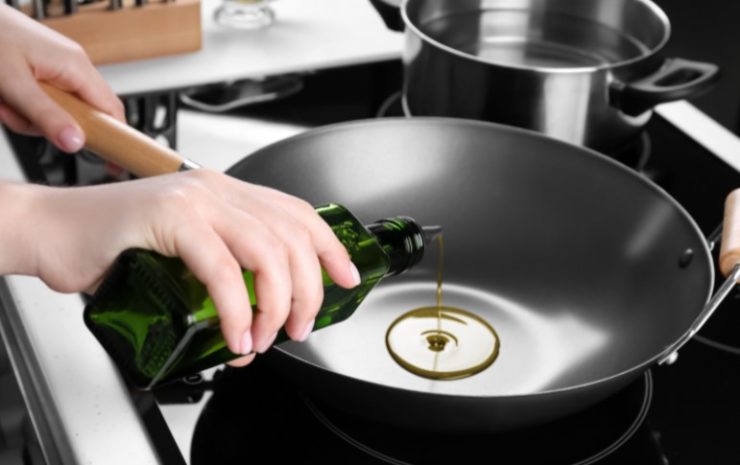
x=116 y=142
x=729 y=255
x=729 y=265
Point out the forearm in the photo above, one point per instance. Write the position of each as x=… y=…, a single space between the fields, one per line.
x=17 y=228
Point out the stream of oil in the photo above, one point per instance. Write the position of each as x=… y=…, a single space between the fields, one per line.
x=442 y=342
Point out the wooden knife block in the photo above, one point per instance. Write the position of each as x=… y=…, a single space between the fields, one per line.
x=133 y=32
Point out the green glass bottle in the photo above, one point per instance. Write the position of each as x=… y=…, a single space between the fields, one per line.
x=158 y=323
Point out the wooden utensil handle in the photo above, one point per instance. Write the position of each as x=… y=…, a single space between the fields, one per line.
x=729 y=255
x=117 y=142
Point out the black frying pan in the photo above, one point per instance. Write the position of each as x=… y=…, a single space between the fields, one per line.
x=589 y=273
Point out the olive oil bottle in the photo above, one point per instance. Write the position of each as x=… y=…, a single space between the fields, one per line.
x=158 y=323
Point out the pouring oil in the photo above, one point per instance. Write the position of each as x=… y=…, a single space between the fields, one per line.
x=442 y=342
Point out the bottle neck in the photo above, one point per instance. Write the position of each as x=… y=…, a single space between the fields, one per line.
x=403 y=241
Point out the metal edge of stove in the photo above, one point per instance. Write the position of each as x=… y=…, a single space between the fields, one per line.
x=61 y=399
x=141 y=431
x=47 y=425
x=700 y=127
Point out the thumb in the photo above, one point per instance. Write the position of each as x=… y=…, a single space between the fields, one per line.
x=25 y=96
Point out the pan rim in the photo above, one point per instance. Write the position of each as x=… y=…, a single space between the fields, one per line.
x=705 y=254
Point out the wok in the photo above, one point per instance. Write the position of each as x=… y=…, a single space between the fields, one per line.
x=589 y=273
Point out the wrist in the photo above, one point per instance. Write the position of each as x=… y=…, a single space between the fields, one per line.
x=18 y=222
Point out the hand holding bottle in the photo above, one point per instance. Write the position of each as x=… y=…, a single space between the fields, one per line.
x=156 y=320
x=69 y=237
x=31 y=52
x=216 y=224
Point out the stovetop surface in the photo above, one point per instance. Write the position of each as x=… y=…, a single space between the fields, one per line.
x=681 y=414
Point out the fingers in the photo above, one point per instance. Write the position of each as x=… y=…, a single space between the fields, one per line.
x=31 y=53
x=242 y=361
x=332 y=254
x=308 y=291
x=16 y=122
x=84 y=80
x=257 y=249
x=21 y=92
x=278 y=238
x=206 y=255
x=63 y=63
x=310 y=243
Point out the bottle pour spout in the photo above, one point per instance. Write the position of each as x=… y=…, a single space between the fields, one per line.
x=430 y=233
x=403 y=240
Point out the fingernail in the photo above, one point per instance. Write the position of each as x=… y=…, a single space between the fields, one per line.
x=355 y=274
x=246 y=346
x=70 y=139
x=307 y=331
x=267 y=343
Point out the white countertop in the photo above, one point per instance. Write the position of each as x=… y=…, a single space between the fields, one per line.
x=307 y=35
x=90 y=399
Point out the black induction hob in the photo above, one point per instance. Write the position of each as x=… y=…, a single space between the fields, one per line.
x=682 y=414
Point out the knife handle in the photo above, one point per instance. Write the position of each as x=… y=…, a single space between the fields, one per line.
x=117 y=142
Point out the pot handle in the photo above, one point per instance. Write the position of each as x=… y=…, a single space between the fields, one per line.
x=118 y=143
x=677 y=79
x=729 y=265
x=390 y=11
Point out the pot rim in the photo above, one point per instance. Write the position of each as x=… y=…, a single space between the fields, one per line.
x=656 y=10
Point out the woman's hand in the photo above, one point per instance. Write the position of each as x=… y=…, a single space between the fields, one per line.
x=216 y=224
x=31 y=52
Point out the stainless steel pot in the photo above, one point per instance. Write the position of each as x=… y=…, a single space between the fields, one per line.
x=584 y=71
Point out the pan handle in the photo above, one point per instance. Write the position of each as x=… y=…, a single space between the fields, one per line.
x=118 y=143
x=729 y=265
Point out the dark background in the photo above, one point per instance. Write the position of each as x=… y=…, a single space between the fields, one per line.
x=709 y=30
